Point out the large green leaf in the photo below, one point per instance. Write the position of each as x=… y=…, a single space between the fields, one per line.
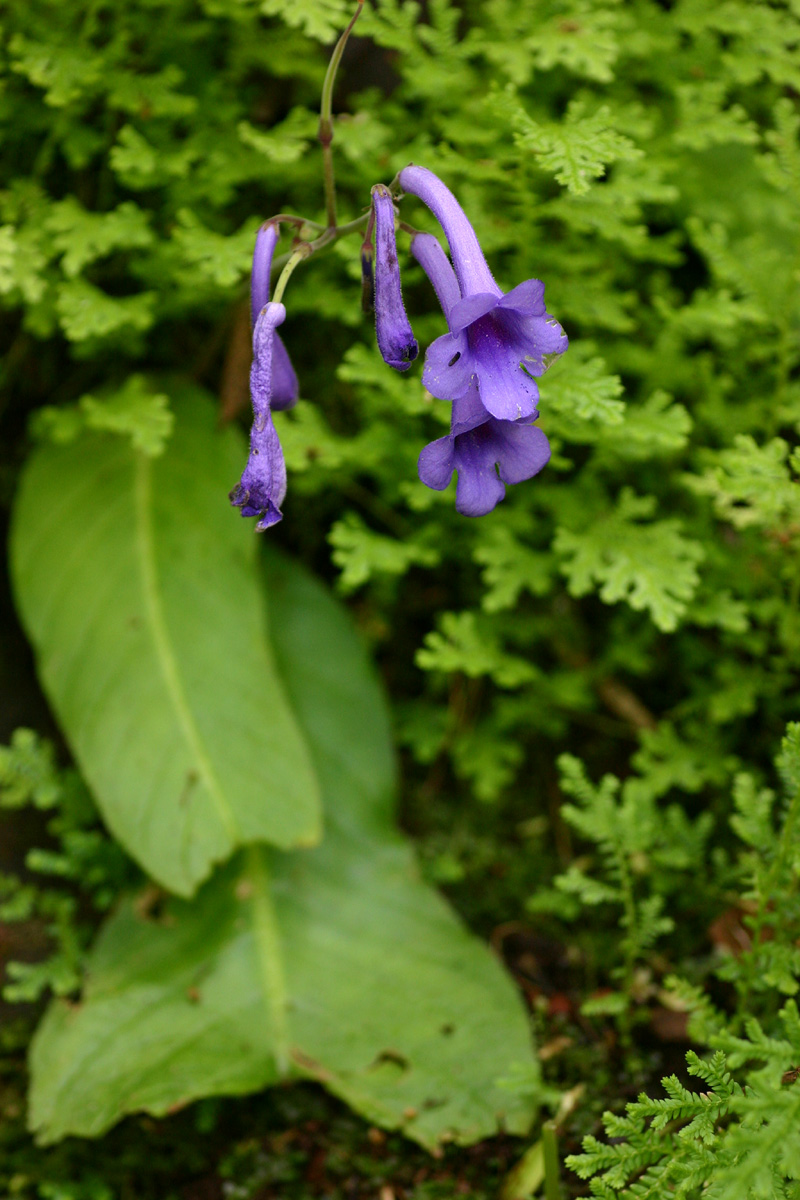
x=138 y=587
x=337 y=963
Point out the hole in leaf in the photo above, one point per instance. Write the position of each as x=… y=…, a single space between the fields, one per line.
x=390 y=1063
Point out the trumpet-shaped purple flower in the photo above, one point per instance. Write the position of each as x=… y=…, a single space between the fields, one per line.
x=499 y=342
x=396 y=340
x=262 y=488
x=486 y=454
x=285 y=389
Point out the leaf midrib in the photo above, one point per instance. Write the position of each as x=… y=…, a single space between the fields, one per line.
x=269 y=953
x=165 y=654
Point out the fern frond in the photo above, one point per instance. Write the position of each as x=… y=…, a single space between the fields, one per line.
x=705 y=1019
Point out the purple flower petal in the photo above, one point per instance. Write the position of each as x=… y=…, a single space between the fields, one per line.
x=486 y=456
x=468 y=412
x=470 y=309
x=506 y=391
x=535 y=338
x=436 y=463
x=448 y=369
x=396 y=340
x=521 y=451
x=491 y=455
x=479 y=488
x=527 y=298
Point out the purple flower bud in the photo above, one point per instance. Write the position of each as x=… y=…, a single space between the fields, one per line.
x=486 y=454
x=396 y=340
x=262 y=488
x=285 y=388
x=499 y=342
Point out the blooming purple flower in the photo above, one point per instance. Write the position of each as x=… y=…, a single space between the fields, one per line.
x=487 y=453
x=261 y=490
x=486 y=456
x=499 y=342
x=285 y=388
x=396 y=340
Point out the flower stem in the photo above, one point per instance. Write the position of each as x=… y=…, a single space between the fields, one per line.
x=291 y=219
x=406 y=228
x=295 y=258
x=325 y=133
x=326 y=238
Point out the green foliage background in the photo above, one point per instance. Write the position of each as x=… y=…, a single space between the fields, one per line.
x=635 y=606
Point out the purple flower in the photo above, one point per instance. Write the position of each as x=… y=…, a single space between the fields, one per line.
x=285 y=389
x=486 y=452
x=261 y=490
x=486 y=456
x=396 y=340
x=501 y=342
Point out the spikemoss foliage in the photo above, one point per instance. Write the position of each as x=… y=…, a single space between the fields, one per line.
x=631 y=615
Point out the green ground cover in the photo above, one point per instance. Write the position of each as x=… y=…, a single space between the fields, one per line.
x=338 y=859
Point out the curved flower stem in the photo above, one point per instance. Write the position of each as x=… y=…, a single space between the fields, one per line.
x=326 y=238
x=406 y=228
x=350 y=227
x=295 y=258
x=291 y=219
x=325 y=133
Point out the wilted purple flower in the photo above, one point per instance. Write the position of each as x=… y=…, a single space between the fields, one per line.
x=499 y=341
x=487 y=453
x=262 y=487
x=396 y=340
x=285 y=388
